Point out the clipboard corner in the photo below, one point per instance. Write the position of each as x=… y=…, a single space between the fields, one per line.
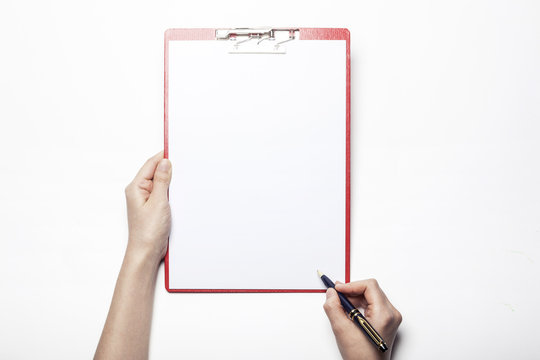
x=167 y=287
x=167 y=33
x=325 y=34
x=172 y=34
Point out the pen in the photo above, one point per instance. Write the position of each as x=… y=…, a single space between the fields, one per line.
x=356 y=316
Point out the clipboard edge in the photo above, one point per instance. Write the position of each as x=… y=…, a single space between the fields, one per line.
x=326 y=34
x=305 y=34
x=224 y=291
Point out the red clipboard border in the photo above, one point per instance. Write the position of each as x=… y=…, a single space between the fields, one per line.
x=305 y=34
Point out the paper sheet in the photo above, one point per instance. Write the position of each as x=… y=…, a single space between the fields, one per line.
x=258 y=147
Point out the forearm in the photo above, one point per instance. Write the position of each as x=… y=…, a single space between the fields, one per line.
x=127 y=330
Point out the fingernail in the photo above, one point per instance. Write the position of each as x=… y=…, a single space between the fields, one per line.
x=164 y=165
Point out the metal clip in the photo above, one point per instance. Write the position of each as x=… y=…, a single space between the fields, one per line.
x=269 y=40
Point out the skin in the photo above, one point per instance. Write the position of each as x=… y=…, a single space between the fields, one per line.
x=381 y=314
x=126 y=334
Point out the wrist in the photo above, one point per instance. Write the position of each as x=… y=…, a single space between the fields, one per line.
x=142 y=255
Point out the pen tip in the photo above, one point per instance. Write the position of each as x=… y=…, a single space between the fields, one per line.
x=320 y=273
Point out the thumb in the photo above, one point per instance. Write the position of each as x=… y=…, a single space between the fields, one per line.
x=334 y=311
x=161 y=180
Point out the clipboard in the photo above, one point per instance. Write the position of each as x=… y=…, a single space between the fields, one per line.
x=257 y=127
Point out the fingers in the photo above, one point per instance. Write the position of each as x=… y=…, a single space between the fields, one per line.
x=148 y=169
x=382 y=315
x=338 y=319
x=357 y=301
x=369 y=289
x=161 y=180
x=139 y=190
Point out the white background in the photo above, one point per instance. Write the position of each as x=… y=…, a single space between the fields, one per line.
x=445 y=181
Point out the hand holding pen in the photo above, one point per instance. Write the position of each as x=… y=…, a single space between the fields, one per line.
x=378 y=311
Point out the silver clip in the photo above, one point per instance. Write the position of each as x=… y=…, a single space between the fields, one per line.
x=291 y=37
x=242 y=40
x=226 y=34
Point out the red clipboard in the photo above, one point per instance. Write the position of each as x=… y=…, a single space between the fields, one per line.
x=303 y=34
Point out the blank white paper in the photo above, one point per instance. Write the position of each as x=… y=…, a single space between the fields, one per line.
x=258 y=148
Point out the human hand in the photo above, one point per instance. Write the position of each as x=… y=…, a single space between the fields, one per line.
x=381 y=314
x=149 y=213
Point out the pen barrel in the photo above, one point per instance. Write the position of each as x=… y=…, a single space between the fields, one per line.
x=362 y=323
x=347 y=305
